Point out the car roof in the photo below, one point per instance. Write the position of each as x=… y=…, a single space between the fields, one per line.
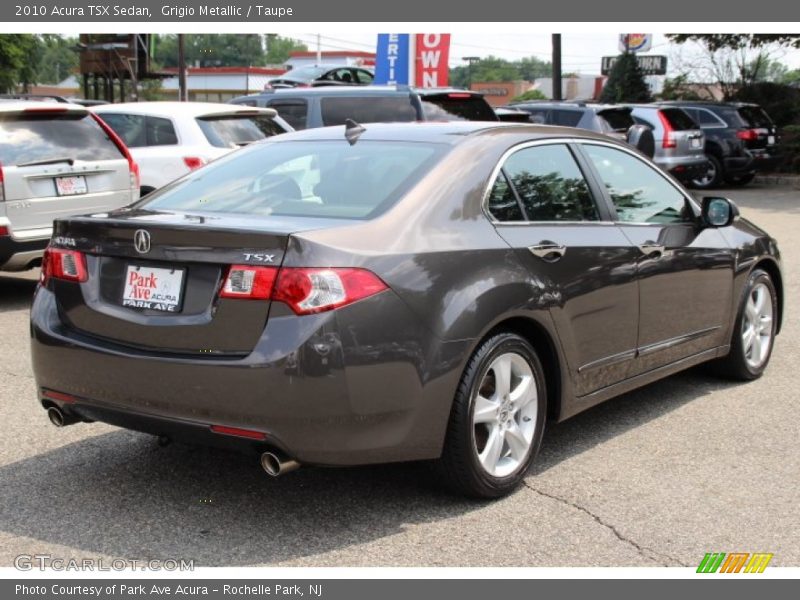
x=595 y=106
x=191 y=109
x=362 y=90
x=706 y=103
x=40 y=106
x=443 y=132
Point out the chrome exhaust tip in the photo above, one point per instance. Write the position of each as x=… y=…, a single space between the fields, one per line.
x=276 y=464
x=58 y=418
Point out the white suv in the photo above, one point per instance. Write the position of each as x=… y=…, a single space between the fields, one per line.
x=56 y=160
x=169 y=139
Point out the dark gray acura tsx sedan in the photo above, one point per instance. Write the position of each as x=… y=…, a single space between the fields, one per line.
x=367 y=294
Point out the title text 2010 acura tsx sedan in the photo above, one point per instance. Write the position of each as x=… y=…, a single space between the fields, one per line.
x=359 y=295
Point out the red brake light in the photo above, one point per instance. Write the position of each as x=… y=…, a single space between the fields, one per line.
x=748 y=135
x=308 y=291
x=2 y=186
x=248 y=282
x=60 y=396
x=459 y=95
x=4 y=230
x=194 y=162
x=69 y=265
x=667 y=141
x=305 y=290
x=132 y=166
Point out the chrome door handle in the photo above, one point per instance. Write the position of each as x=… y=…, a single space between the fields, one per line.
x=548 y=250
x=652 y=249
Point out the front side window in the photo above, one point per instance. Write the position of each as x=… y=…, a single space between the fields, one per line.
x=294 y=112
x=640 y=193
x=550 y=185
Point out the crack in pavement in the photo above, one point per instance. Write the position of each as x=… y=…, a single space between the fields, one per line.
x=4 y=372
x=647 y=553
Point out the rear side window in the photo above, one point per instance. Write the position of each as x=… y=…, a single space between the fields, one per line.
x=618 y=119
x=31 y=137
x=233 y=131
x=310 y=179
x=550 y=184
x=138 y=130
x=456 y=107
x=568 y=118
x=503 y=203
x=367 y=109
x=708 y=119
x=294 y=112
x=678 y=119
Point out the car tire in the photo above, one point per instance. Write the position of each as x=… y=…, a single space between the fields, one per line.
x=712 y=177
x=741 y=179
x=497 y=420
x=753 y=331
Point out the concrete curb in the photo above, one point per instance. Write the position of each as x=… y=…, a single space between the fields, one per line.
x=779 y=179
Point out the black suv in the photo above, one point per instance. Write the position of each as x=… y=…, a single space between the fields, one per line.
x=609 y=119
x=305 y=108
x=741 y=139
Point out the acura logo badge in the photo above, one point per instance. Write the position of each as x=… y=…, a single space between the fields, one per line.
x=141 y=241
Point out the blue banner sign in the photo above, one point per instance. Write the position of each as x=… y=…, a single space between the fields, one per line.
x=391 y=60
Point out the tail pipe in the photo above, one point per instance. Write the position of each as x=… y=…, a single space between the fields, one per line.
x=59 y=418
x=275 y=463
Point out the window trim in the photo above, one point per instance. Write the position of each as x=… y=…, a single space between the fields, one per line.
x=569 y=143
x=635 y=154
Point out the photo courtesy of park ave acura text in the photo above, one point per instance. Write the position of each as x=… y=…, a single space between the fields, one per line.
x=382 y=296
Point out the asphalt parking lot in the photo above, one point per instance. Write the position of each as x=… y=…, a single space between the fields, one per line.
x=660 y=476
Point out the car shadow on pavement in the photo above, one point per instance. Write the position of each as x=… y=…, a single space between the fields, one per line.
x=119 y=494
x=16 y=292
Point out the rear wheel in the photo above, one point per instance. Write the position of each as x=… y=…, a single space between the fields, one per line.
x=754 y=330
x=712 y=176
x=497 y=421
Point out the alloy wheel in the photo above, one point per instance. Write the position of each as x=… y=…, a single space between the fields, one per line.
x=757 y=326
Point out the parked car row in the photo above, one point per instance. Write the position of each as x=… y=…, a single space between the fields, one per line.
x=703 y=144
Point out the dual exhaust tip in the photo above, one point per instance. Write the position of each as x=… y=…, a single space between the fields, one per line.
x=274 y=462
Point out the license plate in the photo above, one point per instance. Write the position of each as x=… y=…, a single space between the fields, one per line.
x=153 y=288
x=70 y=186
x=695 y=142
x=771 y=140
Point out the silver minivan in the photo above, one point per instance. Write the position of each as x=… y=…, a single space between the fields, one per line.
x=56 y=160
x=679 y=141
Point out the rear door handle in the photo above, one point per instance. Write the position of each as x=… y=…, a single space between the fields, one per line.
x=548 y=250
x=652 y=249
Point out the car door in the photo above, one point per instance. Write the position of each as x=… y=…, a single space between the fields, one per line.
x=545 y=208
x=685 y=270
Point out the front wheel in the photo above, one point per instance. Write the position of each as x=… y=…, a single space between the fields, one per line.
x=754 y=330
x=497 y=421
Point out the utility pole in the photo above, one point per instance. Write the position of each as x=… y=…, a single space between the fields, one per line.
x=183 y=93
x=319 y=51
x=557 y=66
x=470 y=60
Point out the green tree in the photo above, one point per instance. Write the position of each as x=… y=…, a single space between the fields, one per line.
x=530 y=95
x=493 y=68
x=626 y=82
x=19 y=60
x=58 y=59
x=212 y=50
x=278 y=48
x=736 y=41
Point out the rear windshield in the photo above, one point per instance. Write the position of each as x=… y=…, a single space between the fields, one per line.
x=238 y=130
x=368 y=109
x=618 y=119
x=754 y=116
x=678 y=119
x=456 y=107
x=310 y=179
x=29 y=137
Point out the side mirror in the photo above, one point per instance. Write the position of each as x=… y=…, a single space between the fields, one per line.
x=719 y=212
x=641 y=138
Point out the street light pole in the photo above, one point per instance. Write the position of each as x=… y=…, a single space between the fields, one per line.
x=183 y=95
x=557 y=67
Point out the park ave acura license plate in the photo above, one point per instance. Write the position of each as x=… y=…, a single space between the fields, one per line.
x=153 y=288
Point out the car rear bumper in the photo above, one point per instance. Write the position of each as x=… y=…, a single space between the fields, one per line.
x=684 y=168
x=764 y=160
x=19 y=255
x=320 y=397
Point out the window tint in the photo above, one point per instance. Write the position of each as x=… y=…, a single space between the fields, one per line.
x=707 y=119
x=503 y=205
x=364 y=76
x=29 y=137
x=642 y=121
x=568 y=118
x=130 y=128
x=617 y=119
x=755 y=116
x=367 y=109
x=550 y=184
x=293 y=112
x=310 y=179
x=160 y=132
x=678 y=119
x=456 y=107
x=639 y=193
x=538 y=116
x=229 y=132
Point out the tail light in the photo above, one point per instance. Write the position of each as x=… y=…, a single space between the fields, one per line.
x=69 y=265
x=4 y=231
x=194 y=162
x=2 y=185
x=133 y=168
x=668 y=141
x=748 y=135
x=305 y=290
